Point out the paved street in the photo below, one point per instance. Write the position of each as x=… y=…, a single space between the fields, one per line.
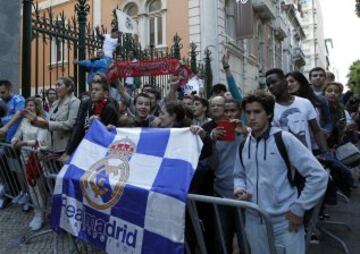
x=14 y=229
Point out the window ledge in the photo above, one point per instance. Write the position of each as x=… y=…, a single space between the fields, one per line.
x=58 y=64
x=234 y=49
x=252 y=59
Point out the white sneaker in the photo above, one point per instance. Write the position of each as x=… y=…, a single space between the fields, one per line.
x=19 y=197
x=23 y=199
x=37 y=221
x=31 y=224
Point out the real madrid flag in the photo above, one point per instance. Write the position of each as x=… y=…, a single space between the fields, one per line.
x=126 y=24
x=125 y=190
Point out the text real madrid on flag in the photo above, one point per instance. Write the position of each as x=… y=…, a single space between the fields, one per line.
x=125 y=191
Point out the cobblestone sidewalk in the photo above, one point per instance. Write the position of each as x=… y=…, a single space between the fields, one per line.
x=15 y=230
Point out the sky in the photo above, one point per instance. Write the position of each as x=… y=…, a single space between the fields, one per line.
x=343 y=26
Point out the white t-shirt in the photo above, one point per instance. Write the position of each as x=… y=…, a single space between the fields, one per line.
x=109 y=45
x=295 y=118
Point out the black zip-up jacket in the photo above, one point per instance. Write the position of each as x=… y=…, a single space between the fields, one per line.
x=108 y=116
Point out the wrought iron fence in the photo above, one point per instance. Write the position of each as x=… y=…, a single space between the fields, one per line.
x=56 y=41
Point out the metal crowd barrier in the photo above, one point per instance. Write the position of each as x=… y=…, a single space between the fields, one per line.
x=20 y=167
x=241 y=207
x=33 y=172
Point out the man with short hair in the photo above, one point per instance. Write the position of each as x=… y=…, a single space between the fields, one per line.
x=292 y=113
x=10 y=121
x=218 y=89
x=155 y=97
x=261 y=177
x=224 y=152
x=200 y=109
x=15 y=103
x=232 y=109
x=317 y=77
x=51 y=96
x=187 y=101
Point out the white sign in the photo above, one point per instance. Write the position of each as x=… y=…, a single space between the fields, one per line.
x=193 y=85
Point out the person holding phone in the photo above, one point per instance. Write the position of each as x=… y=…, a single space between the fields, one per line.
x=225 y=130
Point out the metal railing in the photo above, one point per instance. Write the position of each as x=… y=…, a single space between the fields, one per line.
x=52 y=42
x=241 y=208
x=34 y=171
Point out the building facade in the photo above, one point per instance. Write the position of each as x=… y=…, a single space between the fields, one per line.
x=314 y=44
x=276 y=40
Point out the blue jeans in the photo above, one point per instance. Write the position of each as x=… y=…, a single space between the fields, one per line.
x=286 y=242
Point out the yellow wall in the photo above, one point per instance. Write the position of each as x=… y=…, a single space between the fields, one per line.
x=178 y=22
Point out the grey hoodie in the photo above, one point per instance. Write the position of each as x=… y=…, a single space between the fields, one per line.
x=265 y=174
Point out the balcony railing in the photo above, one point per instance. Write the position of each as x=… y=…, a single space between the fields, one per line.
x=266 y=9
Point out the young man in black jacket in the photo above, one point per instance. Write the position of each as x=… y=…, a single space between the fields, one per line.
x=98 y=106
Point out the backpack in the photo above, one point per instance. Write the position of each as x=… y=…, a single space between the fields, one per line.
x=295 y=179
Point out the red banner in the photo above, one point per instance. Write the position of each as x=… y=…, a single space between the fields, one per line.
x=144 y=68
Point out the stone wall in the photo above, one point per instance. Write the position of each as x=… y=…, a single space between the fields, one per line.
x=10 y=42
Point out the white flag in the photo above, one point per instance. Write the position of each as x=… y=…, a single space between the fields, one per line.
x=126 y=24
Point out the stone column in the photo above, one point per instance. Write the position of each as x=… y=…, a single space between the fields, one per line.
x=210 y=34
x=10 y=42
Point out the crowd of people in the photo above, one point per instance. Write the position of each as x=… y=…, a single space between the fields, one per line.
x=254 y=144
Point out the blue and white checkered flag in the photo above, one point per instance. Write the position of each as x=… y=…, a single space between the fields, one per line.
x=125 y=191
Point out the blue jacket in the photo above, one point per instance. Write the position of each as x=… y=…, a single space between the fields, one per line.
x=101 y=65
x=235 y=91
x=16 y=103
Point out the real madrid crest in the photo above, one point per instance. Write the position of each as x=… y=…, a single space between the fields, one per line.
x=103 y=184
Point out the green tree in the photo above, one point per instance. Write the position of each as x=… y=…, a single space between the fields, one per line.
x=354 y=77
x=357 y=8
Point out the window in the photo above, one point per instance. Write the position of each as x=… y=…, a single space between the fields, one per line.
x=156 y=24
x=58 y=51
x=131 y=10
x=261 y=48
x=59 y=48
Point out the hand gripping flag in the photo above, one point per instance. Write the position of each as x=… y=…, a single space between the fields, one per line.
x=125 y=191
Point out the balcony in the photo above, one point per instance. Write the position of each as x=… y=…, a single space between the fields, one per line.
x=265 y=9
x=281 y=30
x=299 y=57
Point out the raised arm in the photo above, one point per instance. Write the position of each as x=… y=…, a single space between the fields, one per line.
x=233 y=88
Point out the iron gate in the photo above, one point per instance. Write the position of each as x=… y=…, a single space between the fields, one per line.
x=55 y=41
